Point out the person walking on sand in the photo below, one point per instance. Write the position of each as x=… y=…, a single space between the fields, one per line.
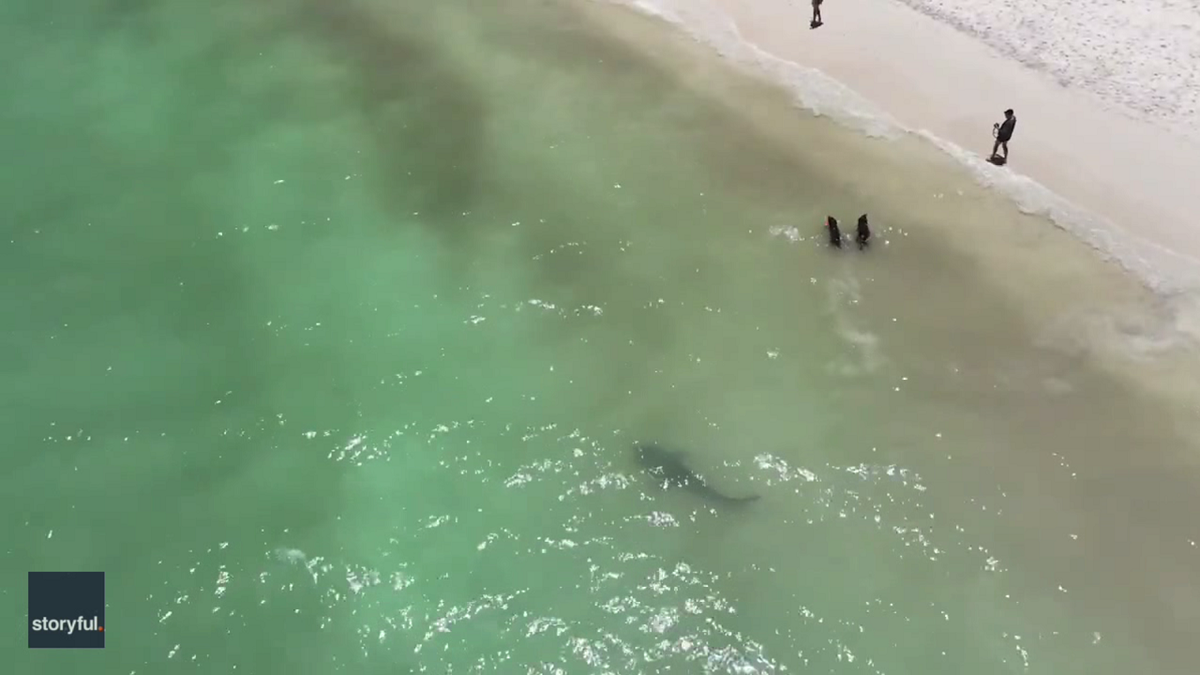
x=1003 y=132
x=816 y=19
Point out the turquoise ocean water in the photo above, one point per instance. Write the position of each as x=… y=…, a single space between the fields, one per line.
x=329 y=327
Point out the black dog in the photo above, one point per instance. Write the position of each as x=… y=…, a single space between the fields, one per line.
x=864 y=232
x=835 y=234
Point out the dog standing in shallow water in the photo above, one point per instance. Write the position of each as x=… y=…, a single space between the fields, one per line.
x=835 y=234
x=864 y=232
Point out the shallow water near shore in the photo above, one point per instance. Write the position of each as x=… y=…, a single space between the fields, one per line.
x=333 y=325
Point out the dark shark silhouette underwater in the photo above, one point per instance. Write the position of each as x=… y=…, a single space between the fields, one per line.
x=667 y=467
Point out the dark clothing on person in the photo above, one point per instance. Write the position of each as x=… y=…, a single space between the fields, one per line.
x=1004 y=132
x=816 y=17
x=864 y=232
x=1006 y=129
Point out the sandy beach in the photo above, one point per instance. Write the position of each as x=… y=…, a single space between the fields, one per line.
x=1088 y=286
x=1128 y=185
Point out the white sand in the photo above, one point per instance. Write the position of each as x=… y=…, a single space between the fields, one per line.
x=931 y=78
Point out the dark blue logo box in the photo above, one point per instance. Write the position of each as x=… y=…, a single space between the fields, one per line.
x=66 y=610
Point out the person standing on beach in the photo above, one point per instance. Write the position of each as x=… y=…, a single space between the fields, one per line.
x=816 y=20
x=1004 y=132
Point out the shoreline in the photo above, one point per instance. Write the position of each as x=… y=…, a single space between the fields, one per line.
x=1131 y=199
x=1072 y=300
